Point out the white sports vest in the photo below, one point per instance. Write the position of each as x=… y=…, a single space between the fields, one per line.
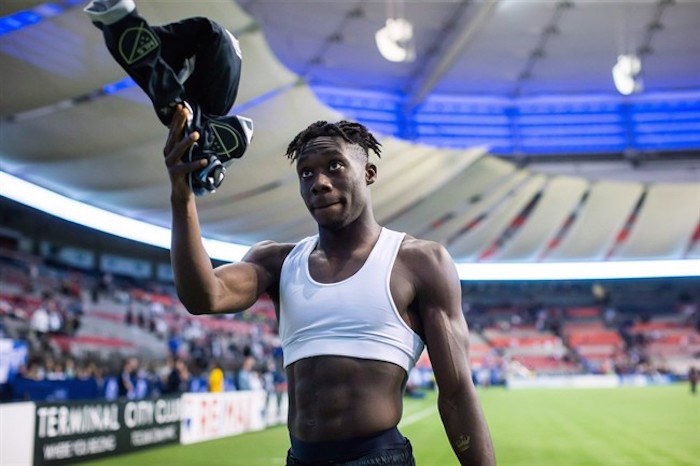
x=355 y=317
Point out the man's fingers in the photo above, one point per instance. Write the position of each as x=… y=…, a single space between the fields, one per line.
x=174 y=154
x=176 y=146
x=185 y=168
x=177 y=125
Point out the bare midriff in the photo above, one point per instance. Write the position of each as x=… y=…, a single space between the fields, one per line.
x=336 y=398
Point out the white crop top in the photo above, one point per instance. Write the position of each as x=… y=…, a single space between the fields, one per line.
x=355 y=317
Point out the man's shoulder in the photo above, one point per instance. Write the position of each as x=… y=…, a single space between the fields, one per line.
x=272 y=247
x=268 y=251
x=422 y=249
x=425 y=259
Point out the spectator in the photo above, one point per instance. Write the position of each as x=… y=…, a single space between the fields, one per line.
x=162 y=374
x=247 y=378
x=126 y=379
x=33 y=371
x=414 y=384
x=40 y=322
x=56 y=372
x=178 y=379
x=55 y=317
x=174 y=344
x=106 y=284
x=199 y=354
x=33 y=276
x=161 y=328
x=141 y=320
x=70 y=370
x=143 y=382
x=216 y=378
x=129 y=318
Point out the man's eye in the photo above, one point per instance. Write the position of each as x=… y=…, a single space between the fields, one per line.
x=305 y=173
x=335 y=165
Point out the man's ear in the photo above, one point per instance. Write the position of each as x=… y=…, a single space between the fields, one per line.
x=370 y=173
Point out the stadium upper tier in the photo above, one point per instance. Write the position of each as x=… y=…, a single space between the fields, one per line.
x=92 y=136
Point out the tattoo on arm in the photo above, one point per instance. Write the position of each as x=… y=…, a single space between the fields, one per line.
x=463 y=442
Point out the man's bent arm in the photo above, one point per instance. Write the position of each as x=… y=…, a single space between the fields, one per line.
x=202 y=289
x=446 y=334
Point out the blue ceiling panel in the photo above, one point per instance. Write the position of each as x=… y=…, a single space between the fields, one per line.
x=531 y=126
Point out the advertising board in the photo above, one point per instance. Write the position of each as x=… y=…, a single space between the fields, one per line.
x=207 y=416
x=73 y=431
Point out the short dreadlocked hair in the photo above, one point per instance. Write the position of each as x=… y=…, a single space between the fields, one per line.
x=354 y=133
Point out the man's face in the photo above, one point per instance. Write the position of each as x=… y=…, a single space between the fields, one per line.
x=333 y=180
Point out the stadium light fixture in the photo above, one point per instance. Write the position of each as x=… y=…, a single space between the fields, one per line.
x=395 y=40
x=626 y=74
x=93 y=217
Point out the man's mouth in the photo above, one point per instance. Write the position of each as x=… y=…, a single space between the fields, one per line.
x=325 y=206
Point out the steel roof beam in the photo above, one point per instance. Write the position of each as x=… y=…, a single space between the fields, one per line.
x=446 y=60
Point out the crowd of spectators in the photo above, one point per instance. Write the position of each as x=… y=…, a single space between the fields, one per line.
x=39 y=302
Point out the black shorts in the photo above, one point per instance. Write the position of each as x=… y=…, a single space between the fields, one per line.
x=388 y=448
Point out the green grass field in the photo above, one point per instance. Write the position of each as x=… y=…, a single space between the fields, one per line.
x=658 y=426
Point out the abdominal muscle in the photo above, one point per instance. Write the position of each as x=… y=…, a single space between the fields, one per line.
x=336 y=397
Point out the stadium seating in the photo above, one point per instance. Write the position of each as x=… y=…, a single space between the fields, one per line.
x=601 y=217
x=664 y=225
x=567 y=332
x=539 y=351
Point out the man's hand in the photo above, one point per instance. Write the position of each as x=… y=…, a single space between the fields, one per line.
x=176 y=146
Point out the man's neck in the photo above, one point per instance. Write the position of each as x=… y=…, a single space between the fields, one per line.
x=344 y=242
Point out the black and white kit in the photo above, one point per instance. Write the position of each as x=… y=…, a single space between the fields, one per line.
x=194 y=62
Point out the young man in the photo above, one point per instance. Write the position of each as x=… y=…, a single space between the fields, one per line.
x=355 y=304
x=194 y=62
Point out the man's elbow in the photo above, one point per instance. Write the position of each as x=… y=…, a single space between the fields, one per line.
x=195 y=311
x=451 y=399
x=456 y=391
x=193 y=305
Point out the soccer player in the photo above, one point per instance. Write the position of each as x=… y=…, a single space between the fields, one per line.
x=356 y=303
x=693 y=376
x=195 y=63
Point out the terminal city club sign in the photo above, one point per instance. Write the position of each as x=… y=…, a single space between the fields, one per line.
x=73 y=431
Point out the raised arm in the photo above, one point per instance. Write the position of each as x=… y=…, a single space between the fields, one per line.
x=447 y=338
x=200 y=287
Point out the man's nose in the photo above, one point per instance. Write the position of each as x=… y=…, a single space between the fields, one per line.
x=321 y=183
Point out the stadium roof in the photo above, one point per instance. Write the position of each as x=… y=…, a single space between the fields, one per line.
x=519 y=79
